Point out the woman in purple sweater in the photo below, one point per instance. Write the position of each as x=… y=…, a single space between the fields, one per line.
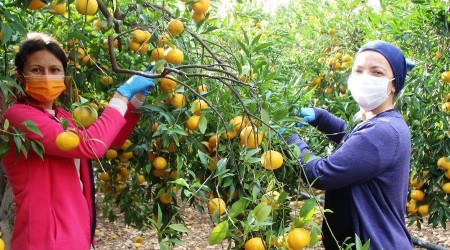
x=366 y=178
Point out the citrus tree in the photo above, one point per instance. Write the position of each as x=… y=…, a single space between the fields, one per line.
x=228 y=76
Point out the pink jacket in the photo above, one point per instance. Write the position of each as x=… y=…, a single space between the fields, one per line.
x=52 y=210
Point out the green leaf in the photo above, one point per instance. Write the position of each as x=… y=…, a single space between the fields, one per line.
x=202 y=124
x=238 y=207
x=265 y=117
x=17 y=142
x=38 y=148
x=7 y=32
x=179 y=228
x=308 y=208
x=180 y=182
x=3 y=148
x=64 y=123
x=261 y=212
x=31 y=126
x=203 y=157
x=218 y=233
x=6 y=124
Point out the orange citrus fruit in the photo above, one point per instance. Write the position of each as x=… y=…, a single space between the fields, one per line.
x=199 y=105
x=298 y=238
x=192 y=122
x=228 y=135
x=216 y=204
x=86 y=7
x=139 y=239
x=213 y=141
x=84 y=116
x=416 y=183
x=167 y=85
x=67 y=140
x=36 y=4
x=412 y=207
x=444 y=163
x=213 y=162
x=111 y=154
x=445 y=76
x=134 y=46
x=138 y=36
x=417 y=195
x=140 y=179
x=178 y=100
x=201 y=6
x=255 y=243
x=198 y=16
x=446 y=188
x=347 y=58
x=271 y=160
x=175 y=27
x=163 y=40
x=247 y=137
x=271 y=198
x=238 y=122
x=126 y=144
x=202 y=88
x=104 y=176
x=174 y=56
x=57 y=8
x=157 y=54
x=125 y=156
x=423 y=210
x=107 y=80
x=165 y=198
x=159 y=162
x=332 y=31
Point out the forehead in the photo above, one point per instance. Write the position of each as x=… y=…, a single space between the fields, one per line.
x=370 y=58
x=42 y=58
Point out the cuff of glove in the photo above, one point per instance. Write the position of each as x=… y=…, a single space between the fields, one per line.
x=119 y=105
x=136 y=103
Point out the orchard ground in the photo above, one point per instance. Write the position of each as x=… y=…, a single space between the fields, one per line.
x=116 y=235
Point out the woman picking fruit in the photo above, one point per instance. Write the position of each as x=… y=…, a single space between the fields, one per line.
x=366 y=178
x=54 y=195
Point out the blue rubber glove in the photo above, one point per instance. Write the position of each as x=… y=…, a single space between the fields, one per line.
x=136 y=84
x=308 y=115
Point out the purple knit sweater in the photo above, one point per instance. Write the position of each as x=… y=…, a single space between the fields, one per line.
x=366 y=179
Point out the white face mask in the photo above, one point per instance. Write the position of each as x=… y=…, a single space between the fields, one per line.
x=368 y=91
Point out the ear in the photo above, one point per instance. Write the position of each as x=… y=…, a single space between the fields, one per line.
x=18 y=76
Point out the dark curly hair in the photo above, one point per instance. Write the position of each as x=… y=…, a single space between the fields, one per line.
x=34 y=42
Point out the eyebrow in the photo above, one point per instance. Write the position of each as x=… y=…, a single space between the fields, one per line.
x=372 y=67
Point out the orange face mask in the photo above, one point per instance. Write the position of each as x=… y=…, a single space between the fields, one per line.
x=44 y=88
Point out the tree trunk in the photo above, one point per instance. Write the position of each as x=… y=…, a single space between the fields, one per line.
x=6 y=196
x=6 y=209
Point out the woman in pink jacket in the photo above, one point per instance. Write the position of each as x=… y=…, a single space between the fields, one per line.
x=54 y=196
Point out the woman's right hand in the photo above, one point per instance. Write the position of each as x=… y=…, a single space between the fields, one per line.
x=136 y=84
x=307 y=115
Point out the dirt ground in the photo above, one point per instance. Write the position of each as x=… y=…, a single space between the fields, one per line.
x=112 y=236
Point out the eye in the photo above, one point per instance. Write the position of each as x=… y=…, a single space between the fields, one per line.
x=36 y=70
x=377 y=73
x=55 y=70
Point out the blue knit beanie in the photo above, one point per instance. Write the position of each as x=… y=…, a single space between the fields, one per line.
x=395 y=58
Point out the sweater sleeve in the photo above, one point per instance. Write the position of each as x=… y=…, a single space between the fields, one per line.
x=94 y=141
x=330 y=125
x=131 y=118
x=363 y=156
